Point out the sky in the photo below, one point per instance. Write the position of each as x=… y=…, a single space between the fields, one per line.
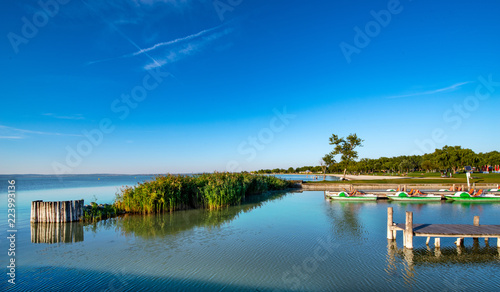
x=168 y=86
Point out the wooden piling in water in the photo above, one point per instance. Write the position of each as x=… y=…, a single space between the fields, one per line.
x=60 y=211
x=476 y=223
x=409 y=230
x=437 y=242
x=390 y=231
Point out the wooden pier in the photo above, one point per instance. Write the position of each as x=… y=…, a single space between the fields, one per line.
x=460 y=231
x=61 y=211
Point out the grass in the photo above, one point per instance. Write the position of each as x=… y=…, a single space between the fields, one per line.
x=177 y=192
x=95 y=213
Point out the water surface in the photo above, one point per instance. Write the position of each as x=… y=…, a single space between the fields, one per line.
x=277 y=242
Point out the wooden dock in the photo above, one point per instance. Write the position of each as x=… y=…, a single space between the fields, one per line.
x=460 y=231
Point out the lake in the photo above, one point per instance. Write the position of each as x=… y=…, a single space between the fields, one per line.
x=306 y=177
x=288 y=241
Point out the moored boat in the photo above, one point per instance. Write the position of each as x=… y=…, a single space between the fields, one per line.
x=354 y=196
x=404 y=196
x=471 y=196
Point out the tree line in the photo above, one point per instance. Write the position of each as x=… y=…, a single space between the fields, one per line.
x=447 y=159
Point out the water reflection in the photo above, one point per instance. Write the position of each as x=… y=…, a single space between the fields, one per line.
x=165 y=224
x=475 y=254
x=346 y=217
x=56 y=232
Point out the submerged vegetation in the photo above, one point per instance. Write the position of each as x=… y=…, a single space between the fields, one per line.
x=177 y=192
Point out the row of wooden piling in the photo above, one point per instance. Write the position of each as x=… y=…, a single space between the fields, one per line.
x=59 y=211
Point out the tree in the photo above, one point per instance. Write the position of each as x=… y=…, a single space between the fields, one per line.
x=326 y=162
x=346 y=147
x=291 y=170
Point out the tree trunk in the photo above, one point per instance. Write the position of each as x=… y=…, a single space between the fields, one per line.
x=345 y=170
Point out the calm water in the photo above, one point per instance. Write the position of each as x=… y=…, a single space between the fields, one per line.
x=278 y=242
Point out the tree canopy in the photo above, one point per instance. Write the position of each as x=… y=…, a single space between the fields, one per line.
x=345 y=147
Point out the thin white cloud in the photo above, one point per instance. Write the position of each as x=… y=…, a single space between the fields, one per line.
x=16 y=132
x=176 y=41
x=176 y=49
x=71 y=117
x=449 y=88
x=11 y=137
x=180 y=48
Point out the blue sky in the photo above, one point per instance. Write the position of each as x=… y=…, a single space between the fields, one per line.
x=156 y=86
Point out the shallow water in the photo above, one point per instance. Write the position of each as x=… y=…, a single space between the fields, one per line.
x=278 y=242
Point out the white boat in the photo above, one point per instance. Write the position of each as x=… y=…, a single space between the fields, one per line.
x=464 y=196
x=404 y=196
x=344 y=196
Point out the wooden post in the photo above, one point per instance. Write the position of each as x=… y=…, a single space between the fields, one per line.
x=486 y=241
x=52 y=211
x=390 y=223
x=32 y=217
x=459 y=241
x=427 y=241
x=33 y=211
x=409 y=230
x=437 y=242
x=454 y=189
x=476 y=223
x=498 y=242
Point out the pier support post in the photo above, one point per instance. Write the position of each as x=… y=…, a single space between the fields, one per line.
x=437 y=242
x=498 y=242
x=391 y=233
x=459 y=241
x=454 y=188
x=427 y=241
x=476 y=223
x=409 y=230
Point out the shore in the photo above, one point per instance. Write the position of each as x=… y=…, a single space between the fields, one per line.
x=348 y=177
x=368 y=177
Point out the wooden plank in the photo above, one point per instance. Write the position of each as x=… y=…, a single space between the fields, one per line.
x=452 y=229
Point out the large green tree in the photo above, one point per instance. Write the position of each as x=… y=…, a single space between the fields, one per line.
x=346 y=147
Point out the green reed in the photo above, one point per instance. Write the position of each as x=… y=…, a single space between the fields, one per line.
x=212 y=191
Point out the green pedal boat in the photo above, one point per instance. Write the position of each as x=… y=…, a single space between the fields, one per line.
x=344 y=196
x=464 y=196
x=404 y=196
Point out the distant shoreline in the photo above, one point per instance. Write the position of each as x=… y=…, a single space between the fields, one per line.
x=348 y=177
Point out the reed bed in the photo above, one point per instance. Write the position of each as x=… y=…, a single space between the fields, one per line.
x=176 y=192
